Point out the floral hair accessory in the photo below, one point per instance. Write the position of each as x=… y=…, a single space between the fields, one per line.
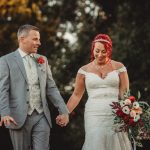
x=40 y=60
x=132 y=116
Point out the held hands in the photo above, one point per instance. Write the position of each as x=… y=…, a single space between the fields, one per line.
x=7 y=120
x=62 y=120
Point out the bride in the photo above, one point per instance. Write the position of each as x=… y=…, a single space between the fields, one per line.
x=105 y=81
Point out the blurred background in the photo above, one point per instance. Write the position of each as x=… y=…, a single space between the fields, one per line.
x=67 y=28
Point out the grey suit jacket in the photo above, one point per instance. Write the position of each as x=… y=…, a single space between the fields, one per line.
x=14 y=89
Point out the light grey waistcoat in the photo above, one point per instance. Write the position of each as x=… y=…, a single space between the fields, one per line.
x=34 y=85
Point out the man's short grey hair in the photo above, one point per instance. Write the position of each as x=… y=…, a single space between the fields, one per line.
x=24 y=30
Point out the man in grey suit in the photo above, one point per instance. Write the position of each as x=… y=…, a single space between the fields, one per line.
x=26 y=85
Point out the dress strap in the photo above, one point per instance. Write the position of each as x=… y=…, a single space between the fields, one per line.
x=81 y=71
x=122 y=69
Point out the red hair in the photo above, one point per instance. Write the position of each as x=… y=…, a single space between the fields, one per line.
x=104 y=39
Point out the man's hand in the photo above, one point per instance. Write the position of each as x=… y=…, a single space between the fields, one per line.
x=7 y=120
x=62 y=120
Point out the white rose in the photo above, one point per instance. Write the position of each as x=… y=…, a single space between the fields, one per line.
x=122 y=103
x=127 y=102
x=126 y=109
x=136 y=105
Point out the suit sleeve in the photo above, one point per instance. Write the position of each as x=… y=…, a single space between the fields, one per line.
x=4 y=88
x=53 y=93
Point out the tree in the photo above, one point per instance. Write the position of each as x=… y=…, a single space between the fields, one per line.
x=131 y=38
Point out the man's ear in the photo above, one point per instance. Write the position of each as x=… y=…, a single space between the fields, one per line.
x=21 y=39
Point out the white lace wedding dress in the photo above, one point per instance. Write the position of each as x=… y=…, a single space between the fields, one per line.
x=99 y=133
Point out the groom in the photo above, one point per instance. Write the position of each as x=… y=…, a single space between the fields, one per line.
x=26 y=85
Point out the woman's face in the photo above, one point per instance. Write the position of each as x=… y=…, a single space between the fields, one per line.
x=100 y=53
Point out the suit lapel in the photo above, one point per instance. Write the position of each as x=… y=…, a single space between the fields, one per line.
x=20 y=63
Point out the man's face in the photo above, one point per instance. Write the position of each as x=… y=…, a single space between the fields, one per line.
x=31 y=42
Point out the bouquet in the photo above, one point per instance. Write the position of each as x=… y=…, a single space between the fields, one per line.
x=132 y=116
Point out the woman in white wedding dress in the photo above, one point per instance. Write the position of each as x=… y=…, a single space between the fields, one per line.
x=105 y=81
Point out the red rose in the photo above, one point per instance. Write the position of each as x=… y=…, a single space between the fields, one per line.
x=132 y=98
x=131 y=122
x=40 y=60
x=126 y=118
x=120 y=113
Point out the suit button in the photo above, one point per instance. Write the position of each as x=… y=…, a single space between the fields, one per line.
x=27 y=89
x=27 y=102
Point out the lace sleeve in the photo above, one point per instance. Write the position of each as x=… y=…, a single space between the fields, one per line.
x=81 y=71
x=122 y=69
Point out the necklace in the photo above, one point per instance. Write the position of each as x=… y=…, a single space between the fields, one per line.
x=101 y=67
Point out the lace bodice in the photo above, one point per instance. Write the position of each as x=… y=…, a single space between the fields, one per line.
x=100 y=88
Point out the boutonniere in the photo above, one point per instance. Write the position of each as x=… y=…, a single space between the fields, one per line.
x=40 y=60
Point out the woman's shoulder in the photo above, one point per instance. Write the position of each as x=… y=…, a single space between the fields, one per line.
x=84 y=68
x=117 y=65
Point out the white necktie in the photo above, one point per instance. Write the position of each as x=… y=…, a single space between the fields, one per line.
x=29 y=61
x=31 y=69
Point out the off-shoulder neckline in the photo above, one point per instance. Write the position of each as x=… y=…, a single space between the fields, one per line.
x=115 y=70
